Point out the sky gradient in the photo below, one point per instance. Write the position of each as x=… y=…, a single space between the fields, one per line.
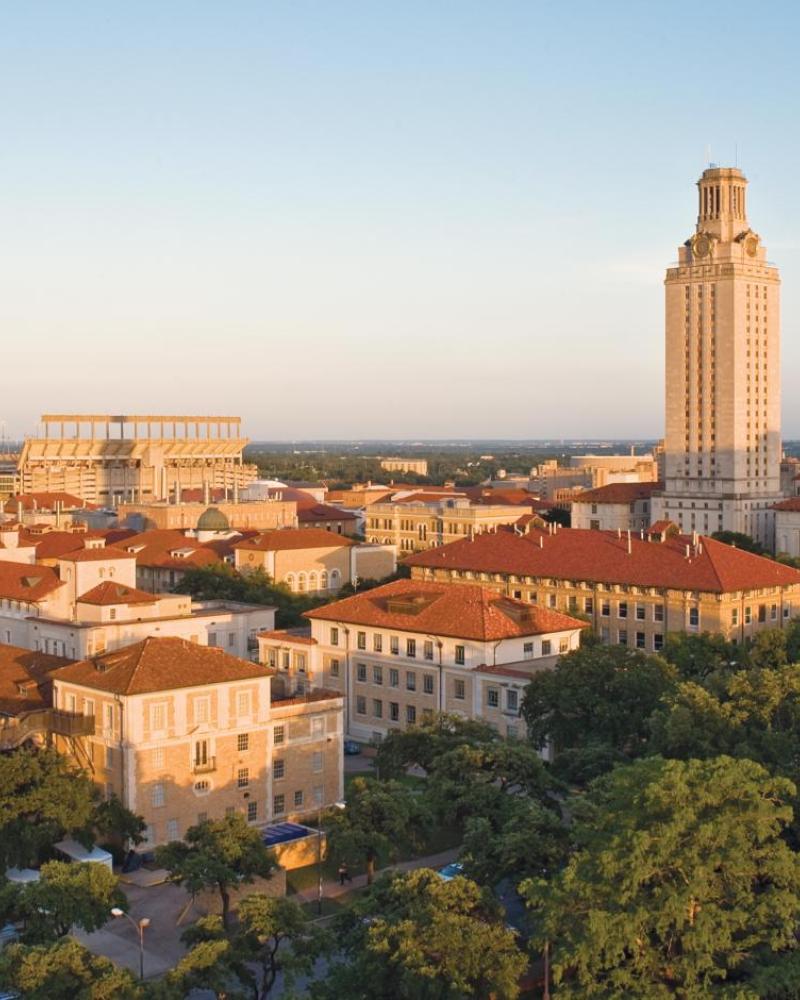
x=423 y=218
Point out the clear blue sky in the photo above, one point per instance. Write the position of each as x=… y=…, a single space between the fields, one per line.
x=367 y=219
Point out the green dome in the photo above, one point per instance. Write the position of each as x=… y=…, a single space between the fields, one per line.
x=213 y=520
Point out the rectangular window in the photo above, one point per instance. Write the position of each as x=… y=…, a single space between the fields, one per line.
x=278 y=768
x=172 y=829
x=377 y=708
x=316 y=761
x=411 y=714
x=605 y=608
x=317 y=726
x=658 y=612
x=694 y=617
x=492 y=697
x=427 y=683
x=762 y=612
x=279 y=805
x=88 y=706
x=377 y=643
x=279 y=735
x=527 y=650
x=588 y=605
x=252 y=812
x=563 y=645
x=243 y=777
x=622 y=611
x=427 y=650
x=361 y=705
x=361 y=640
x=157 y=796
x=361 y=672
x=512 y=700
x=547 y=647
x=773 y=613
x=411 y=680
x=319 y=795
x=658 y=641
x=748 y=615
x=243 y=703
x=334 y=637
x=394 y=711
x=298 y=798
x=411 y=648
x=109 y=758
x=243 y=742
x=734 y=616
x=640 y=612
x=377 y=674
x=394 y=645
x=108 y=715
x=460 y=655
x=622 y=637
x=201 y=707
x=158 y=758
x=641 y=641
x=334 y=668
x=394 y=677
x=158 y=717
x=459 y=689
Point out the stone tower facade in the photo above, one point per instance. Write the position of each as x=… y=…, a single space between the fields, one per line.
x=723 y=404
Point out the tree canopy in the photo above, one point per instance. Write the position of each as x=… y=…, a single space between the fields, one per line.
x=681 y=884
x=217 y=855
x=64 y=971
x=415 y=936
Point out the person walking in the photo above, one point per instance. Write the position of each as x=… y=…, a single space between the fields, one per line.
x=343 y=873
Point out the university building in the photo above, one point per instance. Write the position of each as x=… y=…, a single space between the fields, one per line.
x=633 y=589
x=723 y=403
x=402 y=652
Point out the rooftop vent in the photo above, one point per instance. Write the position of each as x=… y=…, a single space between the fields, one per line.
x=409 y=604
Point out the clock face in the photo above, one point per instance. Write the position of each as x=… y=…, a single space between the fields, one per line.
x=701 y=246
x=751 y=246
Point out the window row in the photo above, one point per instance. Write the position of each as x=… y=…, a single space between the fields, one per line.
x=393 y=677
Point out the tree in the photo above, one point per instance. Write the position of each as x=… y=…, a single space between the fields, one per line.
x=64 y=971
x=379 y=817
x=682 y=884
x=42 y=797
x=272 y=937
x=424 y=745
x=522 y=840
x=217 y=855
x=66 y=895
x=699 y=656
x=113 y=821
x=768 y=648
x=602 y=695
x=739 y=541
x=415 y=936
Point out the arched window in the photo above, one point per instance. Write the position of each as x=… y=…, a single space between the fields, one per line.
x=312 y=581
x=290 y=581
x=301 y=583
x=323 y=580
x=336 y=579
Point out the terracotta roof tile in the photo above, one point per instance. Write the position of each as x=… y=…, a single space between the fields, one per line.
x=619 y=493
x=294 y=538
x=104 y=553
x=459 y=611
x=159 y=664
x=26 y=582
x=603 y=557
x=25 y=678
x=793 y=503
x=109 y=592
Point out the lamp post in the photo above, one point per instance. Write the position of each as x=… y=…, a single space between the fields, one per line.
x=140 y=928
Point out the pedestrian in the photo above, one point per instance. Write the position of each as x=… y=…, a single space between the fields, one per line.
x=342 y=873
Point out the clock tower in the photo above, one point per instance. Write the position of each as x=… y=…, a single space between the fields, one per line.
x=723 y=437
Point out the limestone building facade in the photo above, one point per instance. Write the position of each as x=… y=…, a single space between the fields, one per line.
x=723 y=432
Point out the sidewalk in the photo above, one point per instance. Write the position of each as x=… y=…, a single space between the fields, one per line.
x=331 y=889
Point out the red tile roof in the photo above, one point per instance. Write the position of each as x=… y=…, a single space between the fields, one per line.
x=25 y=678
x=26 y=582
x=619 y=493
x=793 y=503
x=159 y=664
x=108 y=592
x=456 y=610
x=289 y=635
x=104 y=553
x=602 y=557
x=153 y=549
x=312 y=512
x=44 y=501
x=294 y=538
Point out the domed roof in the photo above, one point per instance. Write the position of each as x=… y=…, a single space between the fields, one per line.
x=213 y=520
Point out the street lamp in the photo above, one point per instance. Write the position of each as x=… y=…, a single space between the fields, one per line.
x=140 y=926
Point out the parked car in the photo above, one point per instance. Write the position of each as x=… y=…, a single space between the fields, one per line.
x=351 y=748
x=451 y=871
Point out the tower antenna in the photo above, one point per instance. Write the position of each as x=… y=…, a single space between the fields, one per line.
x=736 y=154
x=708 y=154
